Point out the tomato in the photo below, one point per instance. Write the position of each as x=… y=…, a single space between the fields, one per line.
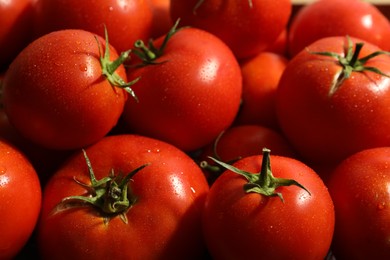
x=247 y=27
x=280 y=44
x=126 y=20
x=162 y=22
x=328 y=113
x=241 y=141
x=360 y=190
x=244 y=218
x=162 y=219
x=320 y=19
x=62 y=93
x=20 y=193
x=260 y=75
x=16 y=18
x=189 y=94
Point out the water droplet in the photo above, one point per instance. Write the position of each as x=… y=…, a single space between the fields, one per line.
x=381 y=206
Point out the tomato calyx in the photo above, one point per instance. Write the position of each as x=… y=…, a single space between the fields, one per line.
x=149 y=54
x=110 y=195
x=200 y=2
x=264 y=182
x=109 y=67
x=351 y=63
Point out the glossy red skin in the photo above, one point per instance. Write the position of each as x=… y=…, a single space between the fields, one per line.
x=126 y=20
x=359 y=187
x=164 y=223
x=20 y=193
x=55 y=95
x=241 y=141
x=191 y=95
x=247 y=31
x=16 y=18
x=260 y=75
x=239 y=225
x=245 y=140
x=162 y=21
x=326 y=129
x=326 y=18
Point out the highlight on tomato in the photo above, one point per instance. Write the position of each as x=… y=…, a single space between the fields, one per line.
x=124 y=197
x=268 y=207
x=67 y=89
x=189 y=88
x=20 y=193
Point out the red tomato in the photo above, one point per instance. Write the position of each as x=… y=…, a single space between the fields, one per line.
x=260 y=75
x=280 y=44
x=247 y=27
x=56 y=95
x=162 y=21
x=246 y=219
x=20 y=194
x=328 y=114
x=360 y=188
x=356 y=18
x=190 y=94
x=161 y=221
x=16 y=18
x=241 y=141
x=126 y=20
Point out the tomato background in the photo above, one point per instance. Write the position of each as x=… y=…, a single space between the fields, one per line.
x=42 y=158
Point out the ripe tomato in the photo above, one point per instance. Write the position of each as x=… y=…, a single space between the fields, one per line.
x=60 y=92
x=260 y=77
x=360 y=188
x=162 y=22
x=328 y=113
x=320 y=19
x=161 y=221
x=244 y=218
x=189 y=94
x=20 y=193
x=126 y=20
x=16 y=18
x=241 y=141
x=247 y=27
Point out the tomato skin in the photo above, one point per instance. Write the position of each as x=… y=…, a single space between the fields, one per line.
x=190 y=95
x=359 y=187
x=125 y=20
x=19 y=183
x=15 y=31
x=356 y=18
x=260 y=75
x=55 y=95
x=326 y=129
x=246 y=30
x=162 y=22
x=239 y=225
x=164 y=223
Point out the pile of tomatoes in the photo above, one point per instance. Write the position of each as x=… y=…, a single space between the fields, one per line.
x=197 y=129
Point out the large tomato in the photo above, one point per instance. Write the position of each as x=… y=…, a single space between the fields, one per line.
x=61 y=91
x=20 y=196
x=326 y=18
x=246 y=26
x=330 y=107
x=253 y=212
x=154 y=214
x=16 y=18
x=360 y=189
x=126 y=20
x=189 y=94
